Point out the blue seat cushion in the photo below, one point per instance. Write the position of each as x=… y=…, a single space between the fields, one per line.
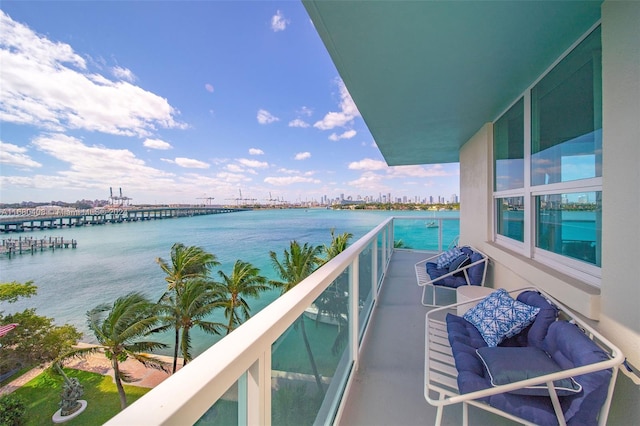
x=476 y=272
x=511 y=364
x=570 y=347
x=450 y=281
x=534 y=334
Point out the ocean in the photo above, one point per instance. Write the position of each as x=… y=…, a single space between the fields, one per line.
x=114 y=259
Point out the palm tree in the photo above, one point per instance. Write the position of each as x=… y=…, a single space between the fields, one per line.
x=338 y=244
x=245 y=281
x=187 y=309
x=120 y=329
x=334 y=301
x=298 y=263
x=187 y=262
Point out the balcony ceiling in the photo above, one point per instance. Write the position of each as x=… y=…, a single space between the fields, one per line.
x=426 y=75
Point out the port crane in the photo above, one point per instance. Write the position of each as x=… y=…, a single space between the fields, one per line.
x=207 y=200
x=121 y=200
x=241 y=200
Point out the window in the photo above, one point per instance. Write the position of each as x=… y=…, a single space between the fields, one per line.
x=548 y=169
x=566 y=118
x=570 y=225
x=510 y=215
x=508 y=149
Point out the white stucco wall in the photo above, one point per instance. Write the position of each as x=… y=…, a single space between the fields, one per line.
x=475 y=188
x=620 y=314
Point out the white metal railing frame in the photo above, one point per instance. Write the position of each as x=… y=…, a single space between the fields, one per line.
x=244 y=356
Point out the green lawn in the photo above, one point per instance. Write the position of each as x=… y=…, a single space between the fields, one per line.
x=42 y=396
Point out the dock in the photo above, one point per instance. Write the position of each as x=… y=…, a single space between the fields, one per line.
x=11 y=246
x=21 y=220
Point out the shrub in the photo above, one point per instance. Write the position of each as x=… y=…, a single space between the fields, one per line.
x=12 y=410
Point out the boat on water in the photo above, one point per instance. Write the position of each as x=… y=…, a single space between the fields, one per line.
x=312 y=313
x=433 y=223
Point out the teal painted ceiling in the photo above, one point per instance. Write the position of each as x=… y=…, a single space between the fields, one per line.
x=426 y=75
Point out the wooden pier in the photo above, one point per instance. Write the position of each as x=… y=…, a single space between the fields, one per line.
x=20 y=220
x=32 y=245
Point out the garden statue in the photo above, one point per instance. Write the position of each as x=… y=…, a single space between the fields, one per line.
x=71 y=393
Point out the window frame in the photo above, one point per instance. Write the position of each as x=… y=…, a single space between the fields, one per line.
x=584 y=271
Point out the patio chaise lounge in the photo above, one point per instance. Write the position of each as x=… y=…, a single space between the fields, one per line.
x=555 y=370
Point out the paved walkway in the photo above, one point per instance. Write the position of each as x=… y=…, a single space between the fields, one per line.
x=15 y=384
x=98 y=363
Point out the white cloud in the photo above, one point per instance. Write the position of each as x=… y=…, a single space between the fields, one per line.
x=156 y=144
x=435 y=170
x=255 y=151
x=346 y=135
x=265 y=117
x=232 y=177
x=368 y=180
x=190 y=163
x=14 y=155
x=123 y=74
x=96 y=167
x=302 y=156
x=368 y=164
x=208 y=87
x=253 y=163
x=298 y=123
x=288 y=180
x=288 y=171
x=348 y=111
x=234 y=168
x=46 y=84
x=279 y=22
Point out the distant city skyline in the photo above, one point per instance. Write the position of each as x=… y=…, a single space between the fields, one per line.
x=176 y=102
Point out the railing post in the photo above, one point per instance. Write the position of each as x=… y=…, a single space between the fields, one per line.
x=374 y=270
x=354 y=320
x=254 y=393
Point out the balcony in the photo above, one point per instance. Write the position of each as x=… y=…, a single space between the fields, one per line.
x=251 y=377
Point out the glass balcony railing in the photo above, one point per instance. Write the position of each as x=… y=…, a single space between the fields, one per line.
x=291 y=362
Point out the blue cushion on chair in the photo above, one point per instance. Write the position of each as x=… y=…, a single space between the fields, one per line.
x=570 y=347
x=476 y=272
x=450 y=281
x=499 y=316
x=447 y=257
x=547 y=316
x=459 y=262
x=509 y=365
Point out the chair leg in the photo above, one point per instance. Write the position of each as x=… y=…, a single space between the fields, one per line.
x=439 y=412
x=465 y=414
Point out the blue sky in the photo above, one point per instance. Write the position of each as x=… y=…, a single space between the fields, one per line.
x=178 y=101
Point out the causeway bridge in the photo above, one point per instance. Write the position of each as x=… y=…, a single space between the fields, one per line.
x=28 y=219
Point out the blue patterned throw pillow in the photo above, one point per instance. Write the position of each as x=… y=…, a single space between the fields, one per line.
x=499 y=316
x=447 y=257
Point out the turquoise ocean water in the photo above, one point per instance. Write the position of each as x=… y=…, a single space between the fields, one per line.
x=112 y=260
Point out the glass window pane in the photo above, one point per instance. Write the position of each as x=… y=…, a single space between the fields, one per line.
x=508 y=149
x=566 y=117
x=570 y=225
x=511 y=217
